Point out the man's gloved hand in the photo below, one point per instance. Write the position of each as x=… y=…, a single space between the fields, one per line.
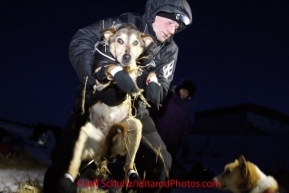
x=122 y=79
x=124 y=82
x=111 y=95
x=141 y=80
x=146 y=60
x=153 y=93
x=67 y=186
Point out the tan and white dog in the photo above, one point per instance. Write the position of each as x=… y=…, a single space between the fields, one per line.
x=242 y=176
x=112 y=130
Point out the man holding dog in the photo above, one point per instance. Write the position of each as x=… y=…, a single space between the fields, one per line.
x=162 y=19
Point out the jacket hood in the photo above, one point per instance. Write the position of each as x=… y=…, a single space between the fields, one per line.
x=187 y=84
x=170 y=6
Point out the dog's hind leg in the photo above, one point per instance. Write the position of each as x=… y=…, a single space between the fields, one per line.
x=125 y=139
x=79 y=149
x=132 y=143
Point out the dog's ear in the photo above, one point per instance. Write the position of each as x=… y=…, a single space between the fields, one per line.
x=107 y=33
x=147 y=39
x=243 y=165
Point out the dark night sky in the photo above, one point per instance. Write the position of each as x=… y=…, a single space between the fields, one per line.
x=235 y=51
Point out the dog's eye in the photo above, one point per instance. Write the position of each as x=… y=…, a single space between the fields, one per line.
x=120 y=41
x=135 y=43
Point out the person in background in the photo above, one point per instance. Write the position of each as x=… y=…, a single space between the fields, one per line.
x=173 y=120
x=162 y=19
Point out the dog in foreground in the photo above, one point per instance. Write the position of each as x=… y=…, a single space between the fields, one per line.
x=112 y=130
x=242 y=176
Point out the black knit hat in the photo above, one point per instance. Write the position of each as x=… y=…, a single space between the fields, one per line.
x=187 y=84
x=172 y=16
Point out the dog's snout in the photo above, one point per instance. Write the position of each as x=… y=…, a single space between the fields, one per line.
x=126 y=58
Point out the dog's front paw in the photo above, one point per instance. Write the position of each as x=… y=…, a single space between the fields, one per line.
x=109 y=69
x=134 y=181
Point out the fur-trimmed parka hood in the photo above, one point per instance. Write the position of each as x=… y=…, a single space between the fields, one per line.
x=187 y=84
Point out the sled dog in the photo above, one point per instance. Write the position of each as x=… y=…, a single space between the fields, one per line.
x=242 y=176
x=112 y=130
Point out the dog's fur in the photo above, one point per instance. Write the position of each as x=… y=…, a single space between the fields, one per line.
x=112 y=130
x=242 y=176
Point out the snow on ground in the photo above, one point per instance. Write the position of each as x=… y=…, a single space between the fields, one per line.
x=10 y=179
x=269 y=152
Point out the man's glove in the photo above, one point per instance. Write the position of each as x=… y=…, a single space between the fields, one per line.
x=146 y=60
x=111 y=95
x=141 y=80
x=122 y=79
x=67 y=186
x=153 y=93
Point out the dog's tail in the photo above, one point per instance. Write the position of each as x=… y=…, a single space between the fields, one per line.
x=115 y=140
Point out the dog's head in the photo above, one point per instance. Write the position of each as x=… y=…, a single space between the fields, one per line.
x=238 y=176
x=126 y=43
